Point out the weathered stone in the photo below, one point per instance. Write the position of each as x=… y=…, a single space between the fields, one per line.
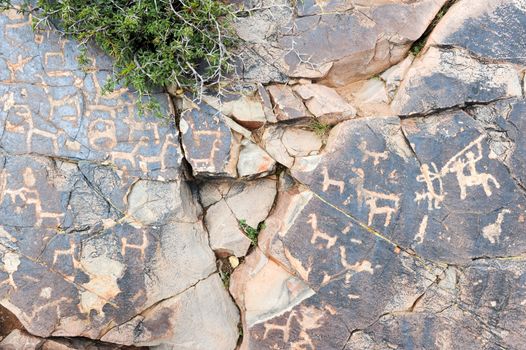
x=254 y=161
x=445 y=78
x=323 y=101
x=492 y=29
x=471 y=312
x=355 y=276
x=264 y=290
x=18 y=339
x=394 y=75
x=210 y=146
x=193 y=320
x=267 y=104
x=284 y=144
x=287 y=106
x=228 y=203
x=369 y=96
x=226 y=237
x=246 y=109
x=339 y=41
x=252 y=201
x=96 y=224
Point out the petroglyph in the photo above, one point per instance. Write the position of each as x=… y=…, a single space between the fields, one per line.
x=362 y=266
x=307 y=318
x=372 y=200
x=10 y=262
x=493 y=231
x=328 y=182
x=30 y=196
x=316 y=233
x=433 y=196
x=420 y=235
x=464 y=160
x=376 y=156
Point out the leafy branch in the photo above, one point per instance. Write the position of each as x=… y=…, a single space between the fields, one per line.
x=154 y=43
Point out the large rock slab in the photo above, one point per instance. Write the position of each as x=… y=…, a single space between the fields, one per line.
x=445 y=78
x=96 y=222
x=333 y=276
x=471 y=308
x=340 y=41
x=429 y=184
x=494 y=29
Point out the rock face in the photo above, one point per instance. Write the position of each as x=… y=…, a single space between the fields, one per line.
x=340 y=41
x=406 y=231
x=354 y=197
x=98 y=226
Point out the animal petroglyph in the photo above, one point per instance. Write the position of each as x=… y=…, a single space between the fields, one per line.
x=29 y=195
x=376 y=156
x=493 y=231
x=372 y=199
x=328 y=182
x=361 y=266
x=316 y=233
x=464 y=166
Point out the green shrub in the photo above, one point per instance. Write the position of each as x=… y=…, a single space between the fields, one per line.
x=154 y=43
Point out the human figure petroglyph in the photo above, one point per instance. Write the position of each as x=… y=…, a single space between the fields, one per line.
x=316 y=233
x=376 y=156
x=433 y=196
x=474 y=178
x=358 y=183
x=327 y=181
x=10 y=262
x=493 y=231
x=465 y=160
x=308 y=318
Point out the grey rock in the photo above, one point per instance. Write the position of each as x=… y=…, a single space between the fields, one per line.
x=445 y=78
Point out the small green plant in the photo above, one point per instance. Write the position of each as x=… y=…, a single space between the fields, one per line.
x=154 y=43
x=321 y=129
x=420 y=43
x=250 y=231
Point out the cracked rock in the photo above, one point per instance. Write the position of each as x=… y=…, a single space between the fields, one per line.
x=227 y=203
x=97 y=225
x=445 y=78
